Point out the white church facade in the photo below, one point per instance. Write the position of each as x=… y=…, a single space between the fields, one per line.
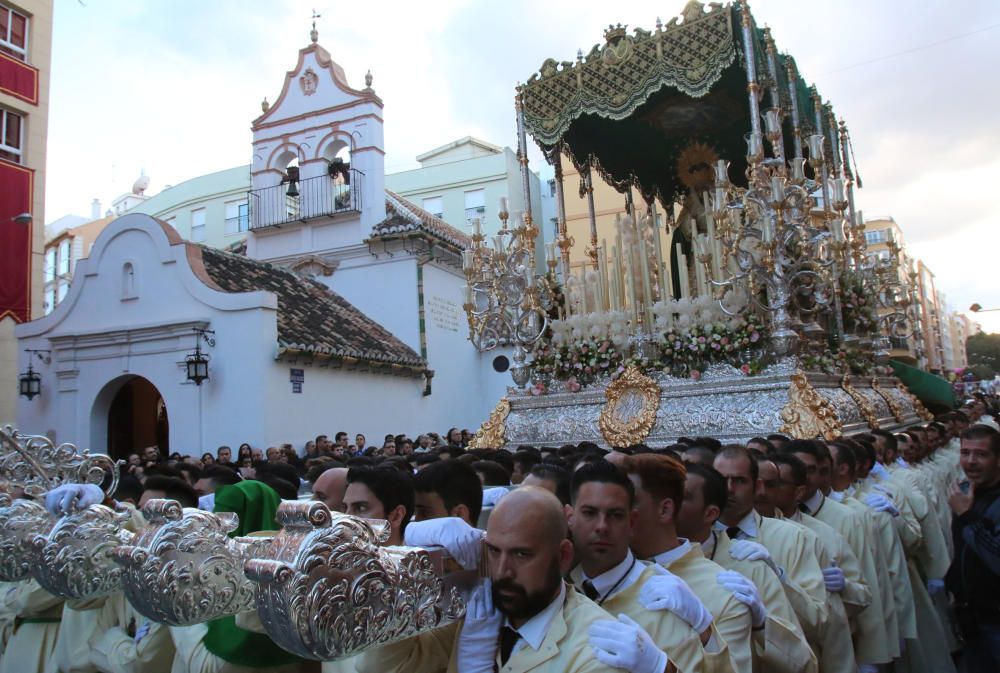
x=344 y=314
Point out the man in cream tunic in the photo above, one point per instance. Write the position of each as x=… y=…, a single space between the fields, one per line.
x=528 y=553
x=659 y=492
x=602 y=522
x=785 y=544
x=781 y=646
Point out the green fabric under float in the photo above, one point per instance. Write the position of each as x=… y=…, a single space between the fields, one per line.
x=930 y=389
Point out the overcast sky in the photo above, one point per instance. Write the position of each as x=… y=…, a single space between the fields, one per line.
x=172 y=86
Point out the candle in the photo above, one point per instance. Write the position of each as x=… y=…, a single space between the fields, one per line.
x=550 y=252
x=660 y=271
x=766 y=230
x=798 y=169
x=777 y=189
x=468 y=259
x=503 y=207
x=838 y=189
x=838 y=229
x=721 y=172
x=477 y=228
x=647 y=302
x=468 y=294
x=602 y=267
x=815 y=143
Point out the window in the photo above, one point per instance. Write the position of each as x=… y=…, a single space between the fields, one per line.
x=128 y=281
x=13 y=33
x=475 y=206
x=10 y=133
x=435 y=206
x=237 y=217
x=876 y=236
x=50 y=265
x=63 y=288
x=63 y=260
x=198 y=225
x=50 y=299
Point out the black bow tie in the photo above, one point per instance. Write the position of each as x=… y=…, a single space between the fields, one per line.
x=590 y=591
x=804 y=508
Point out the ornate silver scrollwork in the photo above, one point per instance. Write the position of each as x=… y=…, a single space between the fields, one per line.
x=73 y=560
x=183 y=568
x=327 y=590
x=37 y=465
x=20 y=521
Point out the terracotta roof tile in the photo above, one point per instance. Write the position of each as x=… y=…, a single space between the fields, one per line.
x=311 y=318
x=403 y=216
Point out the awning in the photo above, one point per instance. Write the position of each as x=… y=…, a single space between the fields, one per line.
x=934 y=391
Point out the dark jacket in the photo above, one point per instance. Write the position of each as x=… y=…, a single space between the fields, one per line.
x=974 y=575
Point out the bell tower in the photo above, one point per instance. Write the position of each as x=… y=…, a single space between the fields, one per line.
x=318 y=167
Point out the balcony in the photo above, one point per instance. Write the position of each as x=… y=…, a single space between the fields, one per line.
x=321 y=196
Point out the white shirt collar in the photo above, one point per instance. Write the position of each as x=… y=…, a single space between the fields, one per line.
x=615 y=579
x=837 y=495
x=879 y=472
x=815 y=502
x=748 y=525
x=534 y=630
x=671 y=555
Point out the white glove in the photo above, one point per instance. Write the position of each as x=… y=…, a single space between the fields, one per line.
x=833 y=578
x=880 y=503
x=935 y=587
x=142 y=631
x=70 y=498
x=491 y=496
x=477 y=643
x=667 y=591
x=879 y=469
x=745 y=592
x=463 y=542
x=626 y=645
x=745 y=550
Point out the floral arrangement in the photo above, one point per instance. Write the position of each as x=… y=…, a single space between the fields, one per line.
x=688 y=336
x=858 y=305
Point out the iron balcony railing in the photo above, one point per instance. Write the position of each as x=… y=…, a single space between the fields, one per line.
x=321 y=196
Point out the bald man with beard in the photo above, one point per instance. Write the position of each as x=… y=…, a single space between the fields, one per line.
x=330 y=487
x=538 y=622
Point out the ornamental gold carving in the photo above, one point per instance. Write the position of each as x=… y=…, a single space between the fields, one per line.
x=864 y=404
x=630 y=412
x=808 y=414
x=918 y=407
x=897 y=411
x=491 y=434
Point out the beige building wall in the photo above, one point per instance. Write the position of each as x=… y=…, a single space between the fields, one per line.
x=39 y=13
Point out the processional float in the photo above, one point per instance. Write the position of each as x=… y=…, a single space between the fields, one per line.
x=734 y=297
x=324 y=585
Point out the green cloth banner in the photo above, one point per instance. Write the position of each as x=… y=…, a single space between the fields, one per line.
x=932 y=390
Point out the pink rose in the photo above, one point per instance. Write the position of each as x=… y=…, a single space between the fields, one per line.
x=745 y=369
x=695 y=374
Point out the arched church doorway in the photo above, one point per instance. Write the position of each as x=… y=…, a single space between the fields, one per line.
x=137 y=418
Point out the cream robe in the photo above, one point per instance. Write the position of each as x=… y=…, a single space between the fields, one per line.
x=877 y=623
x=7 y=614
x=32 y=643
x=803 y=579
x=836 y=649
x=193 y=657
x=731 y=617
x=72 y=651
x=566 y=647
x=780 y=647
x=899 y=574
x=113 y=650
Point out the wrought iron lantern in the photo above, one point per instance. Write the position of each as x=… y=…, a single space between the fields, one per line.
x=197 y=362
x=30 y=382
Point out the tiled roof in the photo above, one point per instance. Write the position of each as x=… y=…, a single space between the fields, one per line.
x=312 y=319
x=403 y=216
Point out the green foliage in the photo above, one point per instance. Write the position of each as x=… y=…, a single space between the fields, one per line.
x=983 y=351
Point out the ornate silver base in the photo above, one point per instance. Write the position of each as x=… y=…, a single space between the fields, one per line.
x=725 y=404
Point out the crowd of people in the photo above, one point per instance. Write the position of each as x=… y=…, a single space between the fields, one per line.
x=874 y=552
